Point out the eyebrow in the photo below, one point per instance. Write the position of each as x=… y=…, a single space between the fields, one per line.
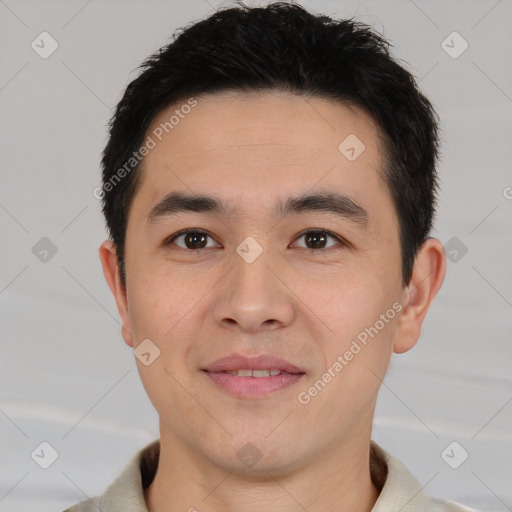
x=329 y=202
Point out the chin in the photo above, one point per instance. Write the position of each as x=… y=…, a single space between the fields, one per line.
x=256 y=456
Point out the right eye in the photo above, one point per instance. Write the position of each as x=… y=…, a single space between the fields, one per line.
x=192 y=239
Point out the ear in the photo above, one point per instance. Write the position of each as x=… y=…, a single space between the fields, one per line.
x=109 y=262
x=427 y=277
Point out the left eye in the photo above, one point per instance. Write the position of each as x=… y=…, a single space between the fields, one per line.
x=318 y=237
x=197 y=240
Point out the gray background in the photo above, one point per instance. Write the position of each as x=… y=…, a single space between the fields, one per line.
x=66 y=376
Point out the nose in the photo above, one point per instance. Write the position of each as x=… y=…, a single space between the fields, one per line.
x=254 y=296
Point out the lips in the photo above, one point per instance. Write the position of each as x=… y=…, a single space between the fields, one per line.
x=252 y=377
x=263 y=362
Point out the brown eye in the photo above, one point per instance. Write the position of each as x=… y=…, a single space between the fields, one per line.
x=315 y=240
x=191 y=239
x=318 y=239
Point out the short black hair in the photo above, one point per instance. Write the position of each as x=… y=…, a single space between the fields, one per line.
x=283 y=47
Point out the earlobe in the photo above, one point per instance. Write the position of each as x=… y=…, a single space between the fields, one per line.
x=427 y=278
x=110 y=265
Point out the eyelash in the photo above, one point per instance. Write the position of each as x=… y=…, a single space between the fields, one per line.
x=338 y=238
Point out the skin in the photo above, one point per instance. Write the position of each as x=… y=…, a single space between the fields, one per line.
x=304 y=305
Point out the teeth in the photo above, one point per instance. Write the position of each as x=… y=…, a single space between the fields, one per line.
x=260 y=373
x=254 y=373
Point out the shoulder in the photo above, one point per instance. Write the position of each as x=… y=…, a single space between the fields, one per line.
x=126 y=493
x=89 y=505
x=439 y=505
x=399 y=489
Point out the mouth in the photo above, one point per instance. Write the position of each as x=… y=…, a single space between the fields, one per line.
x=252 y=377
x=242 y=365
x=256 y=373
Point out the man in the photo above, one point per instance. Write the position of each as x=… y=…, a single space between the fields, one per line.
x=269 y=187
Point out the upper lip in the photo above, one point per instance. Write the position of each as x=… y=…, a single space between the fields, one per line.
x=262 y=362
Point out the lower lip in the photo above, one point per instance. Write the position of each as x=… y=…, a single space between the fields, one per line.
x=252 y=387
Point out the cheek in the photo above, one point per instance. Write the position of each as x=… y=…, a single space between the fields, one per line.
x=165 y=309
x=157 y=300
x=359 y=317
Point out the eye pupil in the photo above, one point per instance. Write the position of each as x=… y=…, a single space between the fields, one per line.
x=193 y=237
x=314 y=237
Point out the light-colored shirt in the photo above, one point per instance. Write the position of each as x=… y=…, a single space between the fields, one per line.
x=399 y=490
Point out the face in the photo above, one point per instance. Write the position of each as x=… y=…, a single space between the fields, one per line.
x=316 y=285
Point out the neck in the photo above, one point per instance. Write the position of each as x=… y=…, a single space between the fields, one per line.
x=338 y=479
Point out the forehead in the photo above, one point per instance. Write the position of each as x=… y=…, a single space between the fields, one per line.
x=250 y=144
x=275 y=118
